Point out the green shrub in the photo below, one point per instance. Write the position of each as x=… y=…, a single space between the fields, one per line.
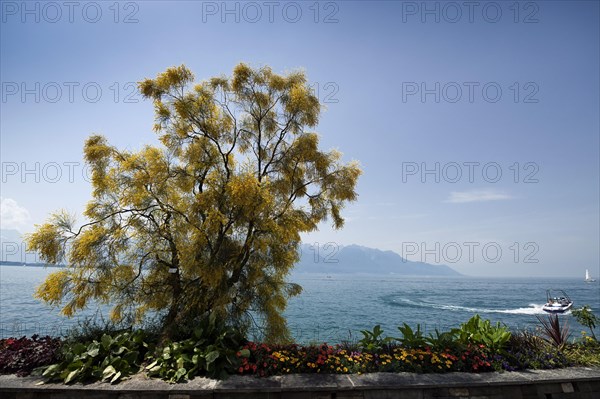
x=211 y=351
x=441 y=341
x=481 y=332
x=217 y=350
x=373 y=341
x=585 y=317
x=112 y=358
x=411 y=339
x=584 y=353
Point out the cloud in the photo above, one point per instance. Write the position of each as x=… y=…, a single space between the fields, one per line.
x=12 y=215
x=459 y=197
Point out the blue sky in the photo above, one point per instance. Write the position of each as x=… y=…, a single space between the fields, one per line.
x=477 y=128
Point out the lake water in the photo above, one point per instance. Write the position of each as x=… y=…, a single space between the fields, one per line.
x=337 y=308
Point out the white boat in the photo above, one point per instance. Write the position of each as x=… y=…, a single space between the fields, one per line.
x=557 y=302
x=588 y=278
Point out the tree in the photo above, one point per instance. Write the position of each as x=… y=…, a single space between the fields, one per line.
x=210 y=222
x=585 y=317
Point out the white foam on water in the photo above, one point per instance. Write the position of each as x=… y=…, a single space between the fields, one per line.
x=532 y=309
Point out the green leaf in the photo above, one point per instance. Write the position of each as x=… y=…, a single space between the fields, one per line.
x=116 y=377
x=74 y=365
x=192 y=372
x=120 y=350
x=154 y=369
x=131 y=357
x=167 y=353
x=151 y=365
x=108 y=372
x=180 y=373
x=51 y=370
x=93 y=352
x=78 y=348
x=211 y=357
x=71 y=376
x=106 y=341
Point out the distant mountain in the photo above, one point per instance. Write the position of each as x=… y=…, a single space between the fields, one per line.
x=357 y=259
x=322 y=259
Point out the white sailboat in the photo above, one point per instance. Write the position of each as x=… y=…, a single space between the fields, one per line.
x=588 y=278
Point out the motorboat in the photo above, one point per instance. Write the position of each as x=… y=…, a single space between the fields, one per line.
x=557 y=301
x=588 y=278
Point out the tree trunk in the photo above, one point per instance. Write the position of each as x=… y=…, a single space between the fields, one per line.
x=169 y=324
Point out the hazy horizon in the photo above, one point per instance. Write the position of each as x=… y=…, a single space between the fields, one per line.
x=14 y=251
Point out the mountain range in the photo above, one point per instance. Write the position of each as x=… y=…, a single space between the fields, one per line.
x=323 y=259
x=352 y=259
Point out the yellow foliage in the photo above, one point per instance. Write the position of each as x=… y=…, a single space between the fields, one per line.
x=52 y=290
x=116 y=313
x=210 y=221
x=46 y=240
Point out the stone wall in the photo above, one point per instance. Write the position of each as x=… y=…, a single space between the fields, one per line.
x=542 y=384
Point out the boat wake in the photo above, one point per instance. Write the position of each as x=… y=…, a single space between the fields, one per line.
x=532 y=309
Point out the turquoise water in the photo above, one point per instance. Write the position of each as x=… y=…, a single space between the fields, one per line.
x=332 y=309
x=337 y=308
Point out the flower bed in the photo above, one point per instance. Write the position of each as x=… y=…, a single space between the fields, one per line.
x=217 y=351
x=23 y=355
x=265 y=360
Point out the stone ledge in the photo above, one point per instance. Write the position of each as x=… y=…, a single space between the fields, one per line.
x=577 y=382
